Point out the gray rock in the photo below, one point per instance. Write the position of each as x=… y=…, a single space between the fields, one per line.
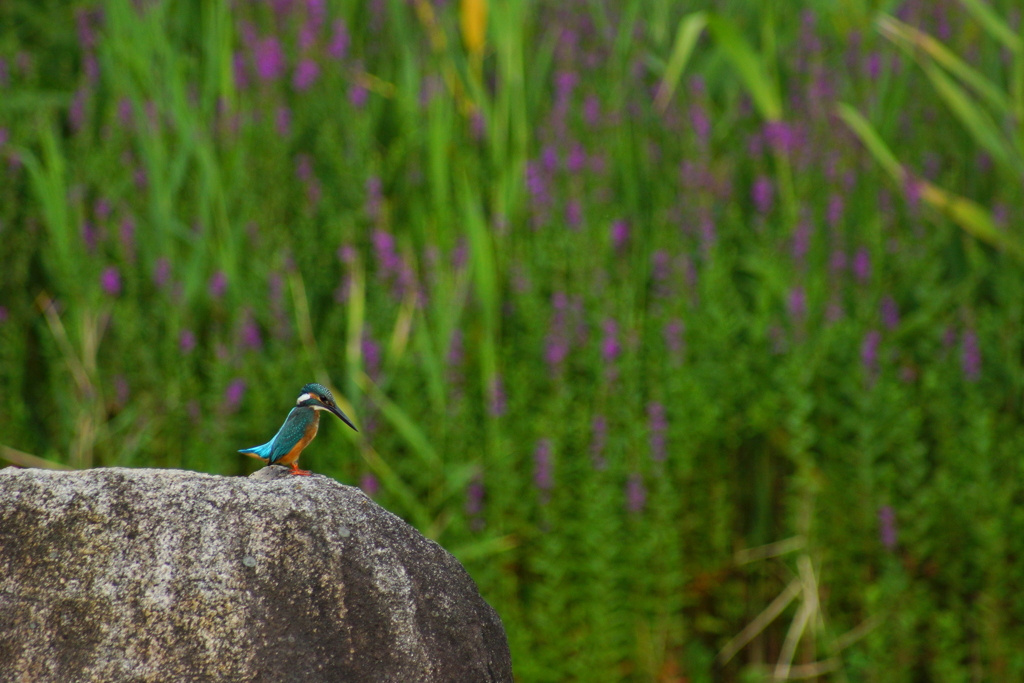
x=169 y=575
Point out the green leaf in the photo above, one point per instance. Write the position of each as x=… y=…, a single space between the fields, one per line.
x=750 y=65
x=976 y=120
x=915 y=41
x=973 y=218
x=485 y=548
x=996 y=27
x=867 y=134
x=690 y=28
x=401 y=421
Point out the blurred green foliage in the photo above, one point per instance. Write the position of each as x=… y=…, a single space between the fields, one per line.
x=618 y=293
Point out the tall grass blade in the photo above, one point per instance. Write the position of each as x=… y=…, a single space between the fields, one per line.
x=979 y=124
x=915 y=41
x=690 y=28
x=22 y=459
x=992 y=23
x=969 y=215
x=405 y=425
x=759 y=83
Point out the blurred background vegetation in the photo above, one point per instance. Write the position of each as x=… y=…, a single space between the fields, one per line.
x=692 y=329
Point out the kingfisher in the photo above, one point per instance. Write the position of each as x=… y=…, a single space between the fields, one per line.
x=299 y=428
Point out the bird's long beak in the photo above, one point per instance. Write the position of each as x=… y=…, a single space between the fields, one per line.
x=344 y=418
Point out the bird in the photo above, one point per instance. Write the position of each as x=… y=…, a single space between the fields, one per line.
x=298 y=429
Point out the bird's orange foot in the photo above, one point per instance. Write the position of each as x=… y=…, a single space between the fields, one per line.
x=295 y=470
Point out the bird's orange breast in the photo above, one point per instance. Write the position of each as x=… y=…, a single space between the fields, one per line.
x=293 y=455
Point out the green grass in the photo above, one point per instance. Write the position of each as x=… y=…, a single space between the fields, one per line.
x=778 y=226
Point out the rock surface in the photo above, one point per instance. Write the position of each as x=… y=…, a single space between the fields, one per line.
x=170 y=575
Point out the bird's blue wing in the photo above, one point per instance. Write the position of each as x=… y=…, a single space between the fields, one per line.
x=291 y=432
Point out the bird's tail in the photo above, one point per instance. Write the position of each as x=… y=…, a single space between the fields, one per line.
x=259 y=452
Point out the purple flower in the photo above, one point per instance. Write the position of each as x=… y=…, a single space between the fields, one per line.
x=371 y=354
x=375 y=199
x=368 y=483
x=801 y=242
x=762 y=193
x=598 y=441
x=89 y=236
x=869 y=351
x=837 y=262
x=358 y=95
x=610 y=348
x=304 y=167
x=498 y=402
x=565 y=82
x=475 y=496
x=862 y=265
x=162 y=272
x=674 y=341
x=874 y=66
x=240 y=72
x=557 y=342
x=76 y=112
x=890 y=313
x=592 y=111
x=949 y=337
x=658 y=426
x=835 y=210
x=797 y=303
x=970 y=356
x=186 y=341
x=660 y=266
x=543 y=477
x=573 y=214
x=91 y=66
x=127 y=234
x=338 y=47
x=283 y=121
x=636 y=494
x=887 y=527
x=269 y=59
x=549 y=158
x=234 y=394
x=140 y=179
x=781 y=137
x=577 y=159
x=620 y=234
x=218 y=284
x=389 y=263
x=456 y=350
x=346 y=254
x=460 y=254
x=701 y=123
x=306 y=74
x=708 y=236
x=478 y=124
x=84 y=18
x=251 y=338
x=834 y=311
x=537 y=184
x=101 y=209
x=110 y=281
x=122 y=391
x=912 y=189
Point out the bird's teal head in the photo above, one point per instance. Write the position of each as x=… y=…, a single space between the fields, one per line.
x=319 y=397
